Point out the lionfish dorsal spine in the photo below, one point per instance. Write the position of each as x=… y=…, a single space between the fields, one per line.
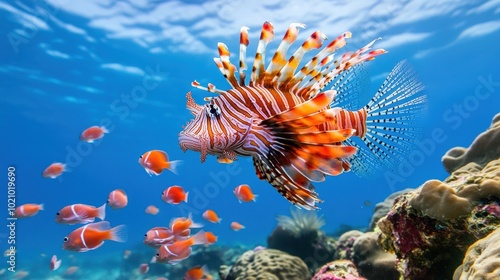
x=314 y=41
x=243 y=53
x=266 y=35
x=227 y=68
x=279 y=58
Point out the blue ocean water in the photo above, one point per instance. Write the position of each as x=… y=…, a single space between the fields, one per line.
x=128 y=65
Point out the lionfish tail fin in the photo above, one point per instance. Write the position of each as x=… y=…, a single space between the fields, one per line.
x=393 y=118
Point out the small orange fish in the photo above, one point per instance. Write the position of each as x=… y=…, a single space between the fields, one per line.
x=27 y=210
x=158 y=236
x=80 y=214
x=117 y=199
x=225 y=160
x=92 y=236
x=244 y=193
x=152 y=210
x=126 y=254
x=180 y=227
x=198 y=273
x=54 y=170
x=71 y=270
x=54 y=263
x=236 y=226
x=143 y=268
x=21 y=274
x=211 y=238
x=179 y=250
x=156 y=160
x=174 y=195
x=211 y=216
x=93 y=133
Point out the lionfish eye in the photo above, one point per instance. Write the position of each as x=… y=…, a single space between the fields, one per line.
x=65 y=239
x=157 y=254
x=213 y=110
x=146 y=234
x=140 y=157
x=58 y=213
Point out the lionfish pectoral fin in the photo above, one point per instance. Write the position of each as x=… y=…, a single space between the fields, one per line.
x=296 y=188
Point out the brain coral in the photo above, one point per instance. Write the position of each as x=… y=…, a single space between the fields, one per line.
x=268 y=264
x=484 y=148
x=482 y=260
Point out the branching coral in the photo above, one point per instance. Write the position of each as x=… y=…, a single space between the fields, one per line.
x=301 y=222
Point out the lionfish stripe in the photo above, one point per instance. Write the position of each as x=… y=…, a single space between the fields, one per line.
x=266 y=36
x=313 y=105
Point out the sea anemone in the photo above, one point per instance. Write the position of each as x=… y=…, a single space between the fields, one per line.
x=301 y=222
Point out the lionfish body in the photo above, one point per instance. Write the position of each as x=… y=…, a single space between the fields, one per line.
x=295 y=132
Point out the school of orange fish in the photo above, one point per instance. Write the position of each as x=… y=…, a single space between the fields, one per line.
x=173 y=243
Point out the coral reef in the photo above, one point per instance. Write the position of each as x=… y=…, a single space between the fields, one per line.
x=485 y=148
x=266 y=264
x=371 y=260
x=338 y=270
x=345 y=244
x=382 y=208
x=300 y=235
x=482 y=260
x=430 y=229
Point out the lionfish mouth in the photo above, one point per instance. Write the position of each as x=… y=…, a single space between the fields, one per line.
x=194 y=143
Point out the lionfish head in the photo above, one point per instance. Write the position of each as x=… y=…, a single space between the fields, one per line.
x=195 y=135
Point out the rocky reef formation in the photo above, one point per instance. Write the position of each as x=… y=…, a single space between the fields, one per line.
x=482 y=260
x=430 y=229
x=486 y=147
x=338 y=270
x=300 y=235
x=371 y=260
x=266 y=264
x=382 y=208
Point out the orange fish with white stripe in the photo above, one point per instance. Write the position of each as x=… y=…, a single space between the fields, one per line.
x=180 y=250
x=296 y=129
x=27 y=210
x=80 y=214
x=244 y=193
x=117 y=199
x=92 y=236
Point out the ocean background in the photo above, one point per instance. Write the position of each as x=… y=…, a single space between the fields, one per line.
x=66 y=66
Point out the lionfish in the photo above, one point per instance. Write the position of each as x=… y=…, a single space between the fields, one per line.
x=295 y=131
